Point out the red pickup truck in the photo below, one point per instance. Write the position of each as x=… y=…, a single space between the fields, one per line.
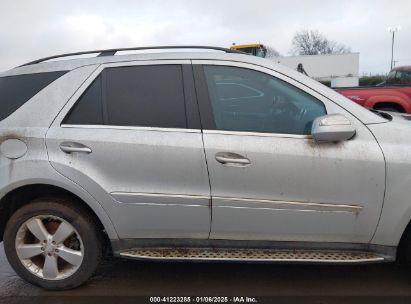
x=394 y=94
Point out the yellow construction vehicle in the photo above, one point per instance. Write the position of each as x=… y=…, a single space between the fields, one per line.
x=256 y=49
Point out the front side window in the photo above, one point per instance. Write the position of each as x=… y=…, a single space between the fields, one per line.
x=251 y=101
x=403 y=77
x=149 y=96
x=400 y=77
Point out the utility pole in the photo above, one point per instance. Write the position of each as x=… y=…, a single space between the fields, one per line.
x=393 y=30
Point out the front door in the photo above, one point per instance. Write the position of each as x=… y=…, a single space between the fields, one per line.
x=131 y=137
x=269 y=179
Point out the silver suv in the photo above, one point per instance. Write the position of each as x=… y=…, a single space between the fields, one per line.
x=193 y=156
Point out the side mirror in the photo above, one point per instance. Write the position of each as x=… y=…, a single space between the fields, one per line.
x=332 y=128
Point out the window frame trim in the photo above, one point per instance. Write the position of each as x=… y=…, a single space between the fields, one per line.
x=206 y=112
x=137 y=128
x=258 y=134
x=190 y=102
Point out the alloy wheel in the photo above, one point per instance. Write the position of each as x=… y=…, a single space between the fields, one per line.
x=49 y=247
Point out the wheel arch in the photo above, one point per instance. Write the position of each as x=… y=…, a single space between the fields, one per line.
x=21 y=195
x=394 y=105
x=396 y=101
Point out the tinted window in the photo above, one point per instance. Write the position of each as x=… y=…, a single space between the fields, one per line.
x=403 y=77
x=88 y=110
x=151 y=96
x=17 y=90
x=146 y=96
x=232 y=90
x=400 y=77
x=251 y=101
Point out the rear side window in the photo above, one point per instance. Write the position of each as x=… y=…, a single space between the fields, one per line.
x=150 y=96
x=88 y=110
x=146 y=96
x=17 y=90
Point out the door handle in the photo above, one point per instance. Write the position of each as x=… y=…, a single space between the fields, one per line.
x=233 y=159
x=74 y=147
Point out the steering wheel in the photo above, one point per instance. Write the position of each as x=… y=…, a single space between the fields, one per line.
x=287 y=108
x=282 y=115
x=301 y=114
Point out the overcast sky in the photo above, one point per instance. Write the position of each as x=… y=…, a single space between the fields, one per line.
x=33 y=29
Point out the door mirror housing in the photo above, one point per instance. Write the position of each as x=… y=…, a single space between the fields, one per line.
x=332 y=128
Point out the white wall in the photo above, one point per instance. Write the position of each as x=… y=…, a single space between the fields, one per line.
x=341 y=82
x=326 y=67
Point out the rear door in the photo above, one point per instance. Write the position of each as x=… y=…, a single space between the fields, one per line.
x=269 y=179
x=131 y=137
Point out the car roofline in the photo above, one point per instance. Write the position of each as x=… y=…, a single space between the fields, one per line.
x=112 y=52
x=68 y=64
x=188 y=57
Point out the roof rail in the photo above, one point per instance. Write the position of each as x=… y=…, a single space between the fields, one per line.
x=111 y=52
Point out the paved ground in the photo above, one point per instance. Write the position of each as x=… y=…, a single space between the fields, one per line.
x=131 y=278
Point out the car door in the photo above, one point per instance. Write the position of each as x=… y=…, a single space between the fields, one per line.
x=269 y=179
x=131 y=137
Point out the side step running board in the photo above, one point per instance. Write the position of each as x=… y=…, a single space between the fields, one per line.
x=253 y=255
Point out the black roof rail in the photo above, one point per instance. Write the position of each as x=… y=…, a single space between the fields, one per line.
x=111 y=52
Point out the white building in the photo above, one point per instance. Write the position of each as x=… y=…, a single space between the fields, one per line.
x=341 y=69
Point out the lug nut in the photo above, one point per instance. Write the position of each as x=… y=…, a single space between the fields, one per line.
x=56 y=250
x=42 y=249
x=54 y=243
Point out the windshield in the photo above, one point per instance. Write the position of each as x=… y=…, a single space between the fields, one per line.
x=256 y=51
x=261 y=52
x=390 y=77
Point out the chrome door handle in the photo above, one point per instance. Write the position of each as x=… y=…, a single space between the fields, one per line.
x=234 y=159
x=70 y=147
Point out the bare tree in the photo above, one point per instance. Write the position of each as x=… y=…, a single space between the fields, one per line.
x=312 y=42
x=271 y=52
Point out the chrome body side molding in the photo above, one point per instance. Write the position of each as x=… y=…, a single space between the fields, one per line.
x=225 y=202
x=229 y=202
x=161 y=199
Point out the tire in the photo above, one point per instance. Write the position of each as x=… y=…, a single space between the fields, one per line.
x=389 y=109
x=85 y=243
x=404 y=248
